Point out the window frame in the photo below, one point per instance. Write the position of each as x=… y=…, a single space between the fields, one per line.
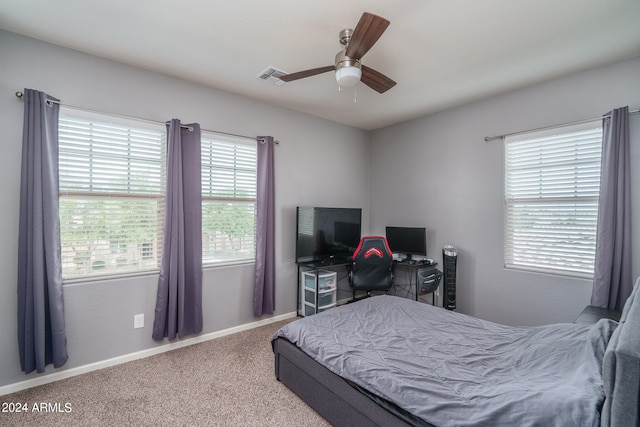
x=545 y=218
x=109 y=194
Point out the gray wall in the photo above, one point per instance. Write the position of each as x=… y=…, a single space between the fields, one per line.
x=99 y=315
x=437 y=171
x=434 y=171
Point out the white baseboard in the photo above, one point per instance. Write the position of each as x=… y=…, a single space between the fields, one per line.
x=72 y=372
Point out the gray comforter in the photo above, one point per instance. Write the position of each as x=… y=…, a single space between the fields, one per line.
x=451 y=369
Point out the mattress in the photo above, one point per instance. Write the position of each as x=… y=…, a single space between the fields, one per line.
x=447 y=368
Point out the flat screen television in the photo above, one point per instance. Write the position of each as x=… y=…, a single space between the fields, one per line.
x=327 y=234
x=407 y=241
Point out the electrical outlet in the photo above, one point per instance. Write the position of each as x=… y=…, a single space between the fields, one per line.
x=138 y=321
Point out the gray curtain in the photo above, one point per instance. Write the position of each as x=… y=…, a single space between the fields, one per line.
x=179 y=300
x=264 y=284
x=612 y=281
x=41 y=331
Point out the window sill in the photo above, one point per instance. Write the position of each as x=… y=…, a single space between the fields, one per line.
x=106 y=278
x=549 y=271
x=213 y=266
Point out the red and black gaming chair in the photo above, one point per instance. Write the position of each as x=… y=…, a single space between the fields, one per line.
x=372 y=266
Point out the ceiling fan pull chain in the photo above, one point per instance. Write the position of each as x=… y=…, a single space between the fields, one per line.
x=355 y=94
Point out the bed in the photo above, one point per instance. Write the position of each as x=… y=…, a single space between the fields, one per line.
x=392 y=361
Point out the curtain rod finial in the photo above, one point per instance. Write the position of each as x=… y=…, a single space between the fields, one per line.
x=491 y=138
x=19 y=94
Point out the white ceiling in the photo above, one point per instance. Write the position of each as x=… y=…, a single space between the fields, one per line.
x=442 y=53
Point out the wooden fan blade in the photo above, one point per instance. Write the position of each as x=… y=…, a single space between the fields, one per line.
x=306 y=73
x=376 y=80
x=366 y=34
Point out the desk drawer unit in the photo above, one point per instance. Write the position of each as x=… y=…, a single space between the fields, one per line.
x=324 y=289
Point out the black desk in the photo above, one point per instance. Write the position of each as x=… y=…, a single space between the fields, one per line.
x=413 y=267
x=334 y=262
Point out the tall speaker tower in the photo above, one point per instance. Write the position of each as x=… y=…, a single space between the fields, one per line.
x=449 y=266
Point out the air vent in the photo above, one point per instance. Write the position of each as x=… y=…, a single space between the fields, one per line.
x=271 y=75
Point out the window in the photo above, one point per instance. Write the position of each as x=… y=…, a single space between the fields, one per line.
x=111 y=194
x=228 y=198
x=112 y=184
x=552 y=184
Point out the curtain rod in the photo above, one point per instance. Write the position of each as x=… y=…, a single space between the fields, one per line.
x=20 y=95
x=491 y=138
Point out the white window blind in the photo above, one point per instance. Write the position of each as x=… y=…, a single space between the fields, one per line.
x=111 y=194
x=228 y=198
x=552 y=184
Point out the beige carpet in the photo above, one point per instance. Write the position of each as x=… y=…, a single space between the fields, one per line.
x=227 y=381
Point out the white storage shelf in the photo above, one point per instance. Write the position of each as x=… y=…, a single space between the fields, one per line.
x=325 y=289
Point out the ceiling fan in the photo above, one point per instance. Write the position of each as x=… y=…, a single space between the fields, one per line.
x=349 y=71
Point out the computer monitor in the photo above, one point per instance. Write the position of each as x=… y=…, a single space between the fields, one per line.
x=407 y=241
x=325 y=234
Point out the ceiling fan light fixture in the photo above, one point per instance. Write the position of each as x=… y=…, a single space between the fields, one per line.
x=348 y=70
x=348 y=76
